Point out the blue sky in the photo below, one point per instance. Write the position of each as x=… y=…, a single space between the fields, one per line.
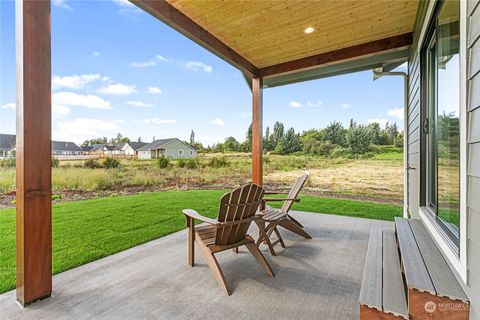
x=117 y=69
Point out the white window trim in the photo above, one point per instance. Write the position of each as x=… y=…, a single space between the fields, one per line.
x=459 y=262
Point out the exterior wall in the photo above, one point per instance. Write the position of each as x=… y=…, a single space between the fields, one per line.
x=473 y=152
x=66 y=153
x=172 y=150
x=143 y=155
x=413 y=119
x=472 y=91
x=128 y=150
x=5 y=154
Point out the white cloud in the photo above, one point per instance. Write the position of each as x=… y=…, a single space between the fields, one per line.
x=396 y=113
x=80 y=100
x=218 y=122
x=162 y=58
x=95 y=54
x=61 y=4
x=10 y=105
x=345 y=106
x=73 y=81
x=60 y=110
x=124 y=3
x=158 y=121
x=139 y=103
x=154 y=90
x=126 y=6
x=144 y=64
x=198 y=66
x=118 y=89
x=381 y=122
x=317 y=104
x=295 y=104
x=189 y=65
x=81 y=129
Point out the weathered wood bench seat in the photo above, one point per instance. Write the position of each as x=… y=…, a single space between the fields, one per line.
x=432 y=289
x=382 y=294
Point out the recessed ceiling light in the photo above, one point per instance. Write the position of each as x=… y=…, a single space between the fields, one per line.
x=309 y=30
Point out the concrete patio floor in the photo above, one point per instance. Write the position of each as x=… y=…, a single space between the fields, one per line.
x=315 y=279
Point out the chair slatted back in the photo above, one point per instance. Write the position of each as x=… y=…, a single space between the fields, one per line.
x=293 y=194
x=240 y=203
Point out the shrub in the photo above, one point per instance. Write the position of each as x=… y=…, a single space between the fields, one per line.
x=163 y=162
x=55 y=162
x=8 y=163
x=56 y=197
x=192 y=163
x=218 y=162
x=317 y=147
x=92 y=164
x=111 y=163
x=340 y=152
x=181 y=163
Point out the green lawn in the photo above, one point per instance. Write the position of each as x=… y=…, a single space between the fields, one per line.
x=84 y=231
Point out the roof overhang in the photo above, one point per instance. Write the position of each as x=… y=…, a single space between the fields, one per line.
x=266 y=39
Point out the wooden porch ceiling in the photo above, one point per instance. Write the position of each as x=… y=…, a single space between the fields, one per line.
x=267 y=38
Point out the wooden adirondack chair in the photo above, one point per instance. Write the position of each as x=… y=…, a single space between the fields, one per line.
x=272 y=217
x=229 y=231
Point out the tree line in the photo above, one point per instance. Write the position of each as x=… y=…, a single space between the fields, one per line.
x=356 y=139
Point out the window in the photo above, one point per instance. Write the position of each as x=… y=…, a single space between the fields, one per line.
x=191 y=152
x=180 y=151
x=441 y=126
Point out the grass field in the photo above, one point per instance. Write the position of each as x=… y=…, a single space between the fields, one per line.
x=379 y=178
x=84 y=231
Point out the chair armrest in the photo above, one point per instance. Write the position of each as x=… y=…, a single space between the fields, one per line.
x=195 y=215
x=281 y=199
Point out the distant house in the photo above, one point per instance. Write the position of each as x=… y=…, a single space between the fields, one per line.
x=110 y=149
x=130 y=148
x=66 y=148
x=123 y=148
x=7 y=145
x=59 y=148
x=171 y=148
x=86 y=149
x=97 y=148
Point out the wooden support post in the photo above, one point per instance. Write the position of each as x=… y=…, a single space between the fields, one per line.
x=257 y=131
x=33 y=151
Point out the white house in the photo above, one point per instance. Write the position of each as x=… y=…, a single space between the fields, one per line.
x=171 y=148
x=130 y=148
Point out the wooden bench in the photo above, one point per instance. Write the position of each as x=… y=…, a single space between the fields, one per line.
x=382 y=295
x=432 y=289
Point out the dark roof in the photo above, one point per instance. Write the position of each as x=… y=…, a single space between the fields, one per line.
x=65 y=146
x=110 y=147
x=86 y=148
x=137 y=145
x=7 y=141
x=97 y=146
x=157 y=144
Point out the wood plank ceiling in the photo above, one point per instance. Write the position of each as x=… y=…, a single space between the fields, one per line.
x=268 y=33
